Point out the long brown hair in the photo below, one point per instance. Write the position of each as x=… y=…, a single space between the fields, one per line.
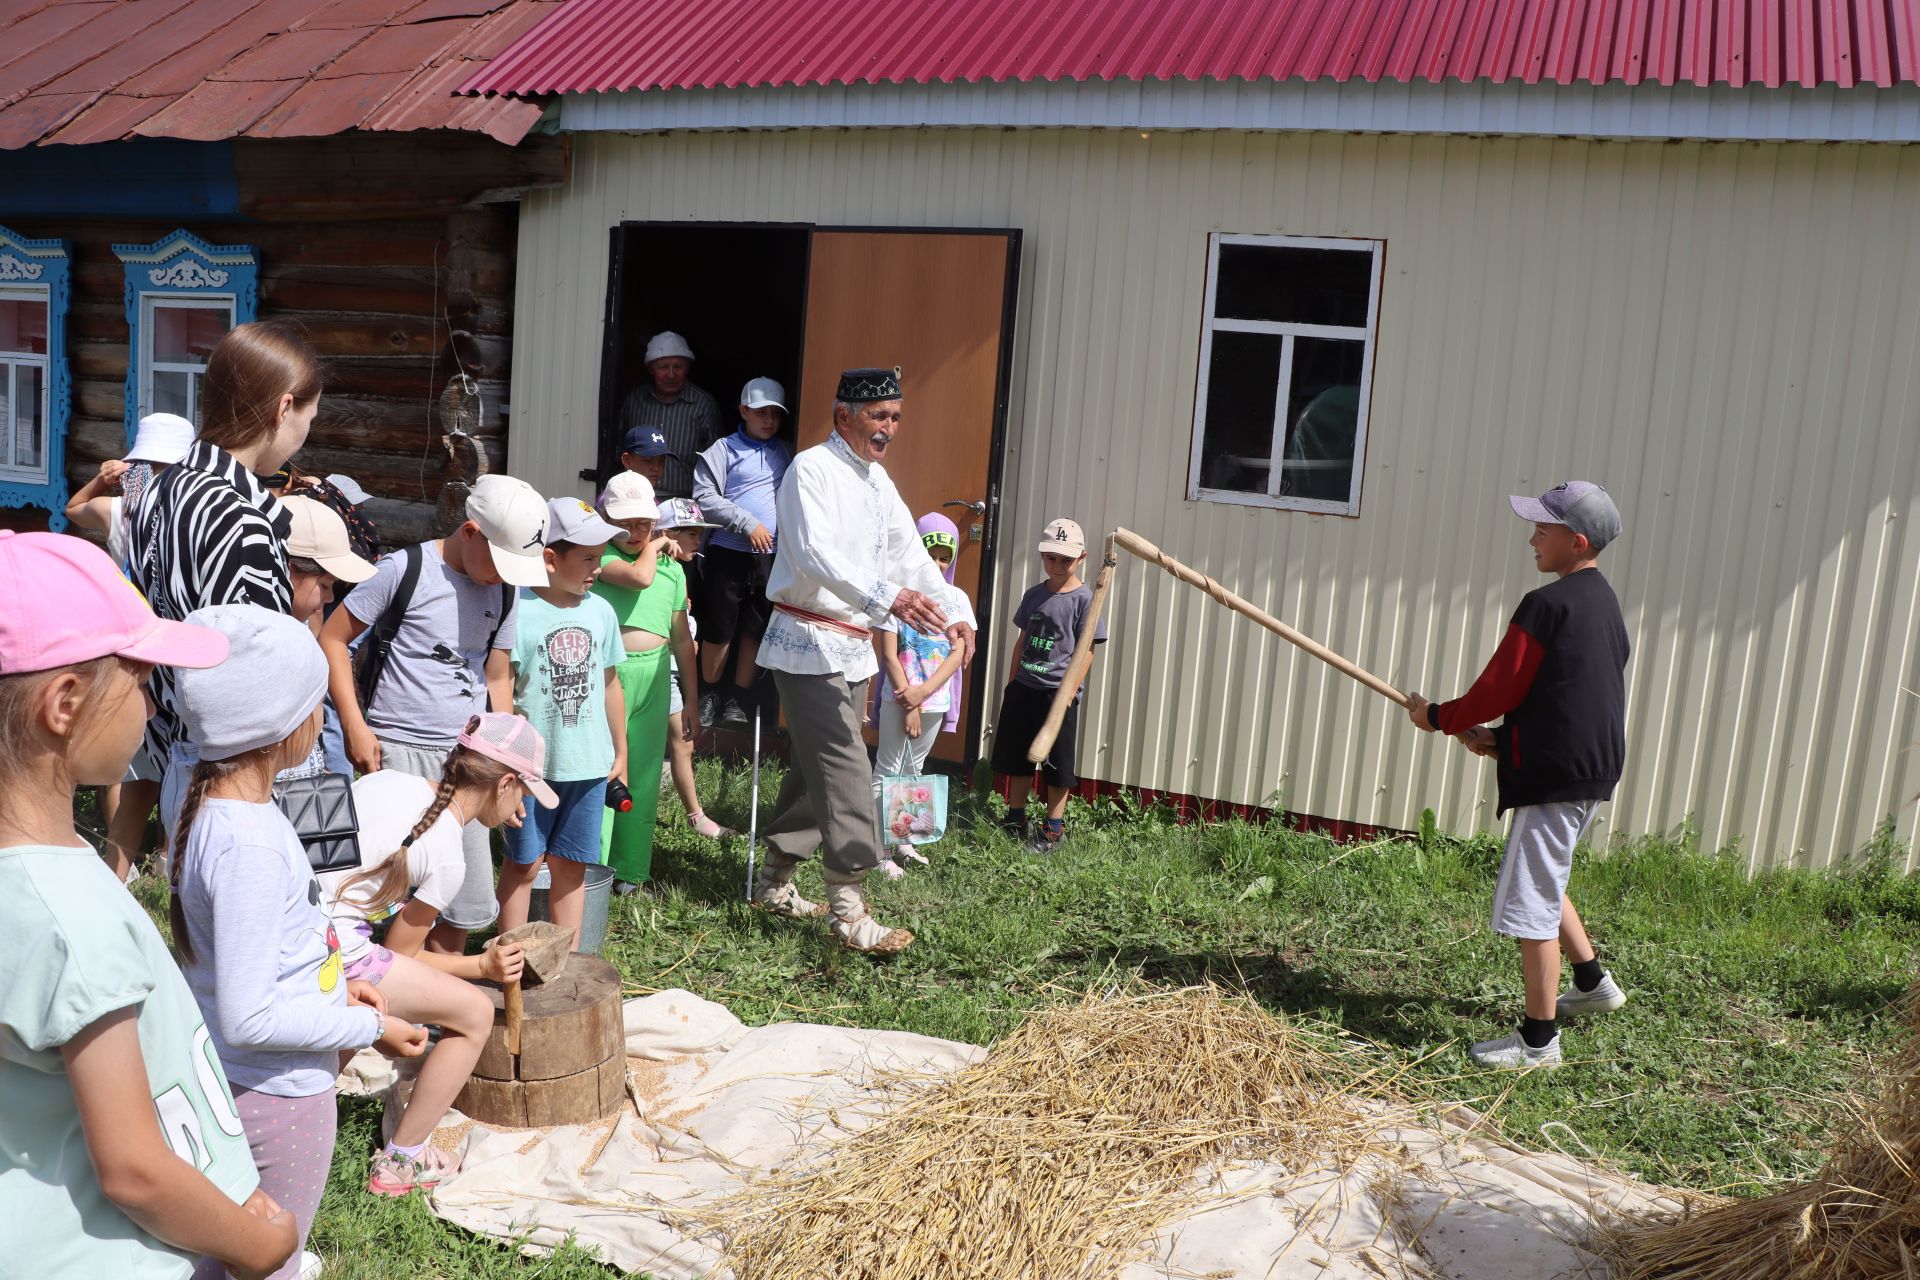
x=465 y=769
x=248 y=372
x=205 y=774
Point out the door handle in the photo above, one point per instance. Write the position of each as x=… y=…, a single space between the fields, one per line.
x=978 y=508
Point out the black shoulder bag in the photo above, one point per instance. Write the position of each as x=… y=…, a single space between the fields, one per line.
x=321 y=811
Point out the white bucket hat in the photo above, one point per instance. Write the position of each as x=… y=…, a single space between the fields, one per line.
x=161 y=437
x=667 y=343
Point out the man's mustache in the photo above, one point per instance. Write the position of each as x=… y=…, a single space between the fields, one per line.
x=881 y=438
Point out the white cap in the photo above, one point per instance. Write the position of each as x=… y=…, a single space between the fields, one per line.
x=513 y=518
x=571 y=520
x=348 y=488
x=629 y=496
x=273 y=678
x=761 y=392
x=320 y=535
x=161 y=437
x=667 y=343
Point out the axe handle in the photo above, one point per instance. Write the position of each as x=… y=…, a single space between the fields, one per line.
x=1077 y=669
x=513 y=1017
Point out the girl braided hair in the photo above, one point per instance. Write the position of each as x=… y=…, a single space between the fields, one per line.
x=389 y=877
x=205 y=774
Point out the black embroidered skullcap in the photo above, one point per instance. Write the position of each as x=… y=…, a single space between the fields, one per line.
x=862 y=386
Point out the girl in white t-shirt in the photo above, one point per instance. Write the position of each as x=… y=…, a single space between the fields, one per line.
x=412 y=865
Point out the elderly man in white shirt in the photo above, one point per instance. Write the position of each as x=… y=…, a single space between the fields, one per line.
x=848 y=557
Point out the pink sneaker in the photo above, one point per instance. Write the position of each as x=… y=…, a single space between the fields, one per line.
x=890 y=869
x=393 y=1174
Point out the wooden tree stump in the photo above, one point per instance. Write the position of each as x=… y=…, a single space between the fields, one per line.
x=572 y=1067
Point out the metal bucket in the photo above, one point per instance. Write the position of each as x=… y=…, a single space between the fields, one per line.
x=593 y=916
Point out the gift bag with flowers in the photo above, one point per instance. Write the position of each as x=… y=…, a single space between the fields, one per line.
x=913 y=810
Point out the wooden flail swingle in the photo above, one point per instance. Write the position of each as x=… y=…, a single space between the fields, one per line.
x=572 y=1063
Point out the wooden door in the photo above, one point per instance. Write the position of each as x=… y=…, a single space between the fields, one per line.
x=935 y=304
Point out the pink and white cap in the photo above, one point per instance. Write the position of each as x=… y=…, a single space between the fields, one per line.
x=67 y=603
x=511 y=741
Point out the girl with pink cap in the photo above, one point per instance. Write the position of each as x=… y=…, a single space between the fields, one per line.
x=121 y=1152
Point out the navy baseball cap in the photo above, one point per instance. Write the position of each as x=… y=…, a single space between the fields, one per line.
x=647 y=442
x=1581 y=505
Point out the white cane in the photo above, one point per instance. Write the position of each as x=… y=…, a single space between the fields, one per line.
x=753 y=812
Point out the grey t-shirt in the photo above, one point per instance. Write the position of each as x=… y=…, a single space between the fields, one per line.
x=436 y=673
x=1052 y=622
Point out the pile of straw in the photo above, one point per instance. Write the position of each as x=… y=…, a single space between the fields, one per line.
x=1859 y=1220
x=1064 y=1150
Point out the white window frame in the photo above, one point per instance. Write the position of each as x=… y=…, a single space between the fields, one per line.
x=9 y=361
x=149 y=302
x=1287 y=332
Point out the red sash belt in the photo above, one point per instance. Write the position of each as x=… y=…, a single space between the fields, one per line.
x=822 y=620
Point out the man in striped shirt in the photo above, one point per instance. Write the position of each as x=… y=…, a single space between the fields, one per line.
x=669 y=402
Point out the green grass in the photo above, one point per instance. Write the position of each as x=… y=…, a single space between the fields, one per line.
x=1755 y=1003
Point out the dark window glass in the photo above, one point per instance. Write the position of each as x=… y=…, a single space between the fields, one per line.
x=1323 y=415
x=1237 y=445
x=1298 y=286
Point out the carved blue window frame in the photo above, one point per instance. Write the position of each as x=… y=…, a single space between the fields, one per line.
x=36 y=268
x=180 y=266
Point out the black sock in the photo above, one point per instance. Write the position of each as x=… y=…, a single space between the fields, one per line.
x=1587 y=974
x=1536 y=1032
x=1016 y=820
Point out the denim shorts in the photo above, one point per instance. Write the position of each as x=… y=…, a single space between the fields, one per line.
x=571 y=829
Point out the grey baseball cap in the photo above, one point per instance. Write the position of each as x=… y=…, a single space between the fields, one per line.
x=1581 y=505
x=571 y=520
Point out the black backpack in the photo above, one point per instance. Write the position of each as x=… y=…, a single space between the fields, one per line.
x=378 y=645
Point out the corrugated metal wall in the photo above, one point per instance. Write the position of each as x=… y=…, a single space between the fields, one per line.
x=1723 y=334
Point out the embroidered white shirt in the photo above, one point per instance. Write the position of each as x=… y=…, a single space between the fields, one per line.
x=847 y=547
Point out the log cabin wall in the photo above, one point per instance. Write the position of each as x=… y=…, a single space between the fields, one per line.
x=395 y=253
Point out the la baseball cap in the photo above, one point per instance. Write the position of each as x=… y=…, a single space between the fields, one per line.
x=320 y=535
x=1581 y=505
x=571 y=520
x=67 y=603
x=513 y=518
x=510 y=740
x=762 y=392
x=683 y=513
x=161 y=437
x=629 y=496
x=1062 y=537
x=646 y=442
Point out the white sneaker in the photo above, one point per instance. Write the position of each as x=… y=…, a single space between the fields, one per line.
x=1604 y=998
x=311 y=1267
x=1511 y=1053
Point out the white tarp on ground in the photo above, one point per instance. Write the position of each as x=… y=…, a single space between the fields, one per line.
x=720 y=1099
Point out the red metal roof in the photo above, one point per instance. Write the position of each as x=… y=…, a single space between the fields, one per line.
x=610 y=46
x=78 y=71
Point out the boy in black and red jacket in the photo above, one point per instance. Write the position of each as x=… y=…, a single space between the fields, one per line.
x=1559 y=679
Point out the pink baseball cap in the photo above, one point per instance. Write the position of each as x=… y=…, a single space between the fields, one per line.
x=67 y=603
x=511 y=741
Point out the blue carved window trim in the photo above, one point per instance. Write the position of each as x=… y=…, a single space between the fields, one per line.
x=183 y=267
x=36 y=266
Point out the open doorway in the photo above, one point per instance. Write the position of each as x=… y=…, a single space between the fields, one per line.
x=737 y=292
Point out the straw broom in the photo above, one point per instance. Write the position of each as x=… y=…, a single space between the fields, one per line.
x=1860 y=1220
x=1066 y=1149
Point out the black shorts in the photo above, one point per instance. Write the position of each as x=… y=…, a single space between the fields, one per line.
x=1023 y=709
x=733 y=595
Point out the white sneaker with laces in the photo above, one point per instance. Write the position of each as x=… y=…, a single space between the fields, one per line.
x=311 y=1266
x=1511 y=1053
x=1604 y=998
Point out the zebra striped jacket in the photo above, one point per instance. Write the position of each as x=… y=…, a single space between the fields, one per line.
x=206 y=533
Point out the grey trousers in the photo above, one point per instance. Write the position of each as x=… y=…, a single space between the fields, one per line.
x=826 y=801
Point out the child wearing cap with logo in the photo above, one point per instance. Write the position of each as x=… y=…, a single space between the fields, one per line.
x=1051 y=616
x=919 y=695
x=684 y=524
x=120 y=1151
x=260 y=956
x=442 y=622
x=735 y=481
x=566 y=682
x=412 y=864
x=1559 y=680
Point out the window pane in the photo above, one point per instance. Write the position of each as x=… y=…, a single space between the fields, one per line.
x=6 y=414
x=186 y=335
x=171 y=393
x=23 y=325
x=29 y=448
x=1323 y=415
x=1301 y=286
x=1237 y=444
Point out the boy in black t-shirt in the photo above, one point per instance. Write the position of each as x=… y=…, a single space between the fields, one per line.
x=1559 y=679
x=1049 y=617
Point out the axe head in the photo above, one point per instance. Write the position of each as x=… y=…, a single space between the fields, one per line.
x=544 y=948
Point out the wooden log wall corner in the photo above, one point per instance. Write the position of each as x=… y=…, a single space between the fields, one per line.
x=394 y=252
